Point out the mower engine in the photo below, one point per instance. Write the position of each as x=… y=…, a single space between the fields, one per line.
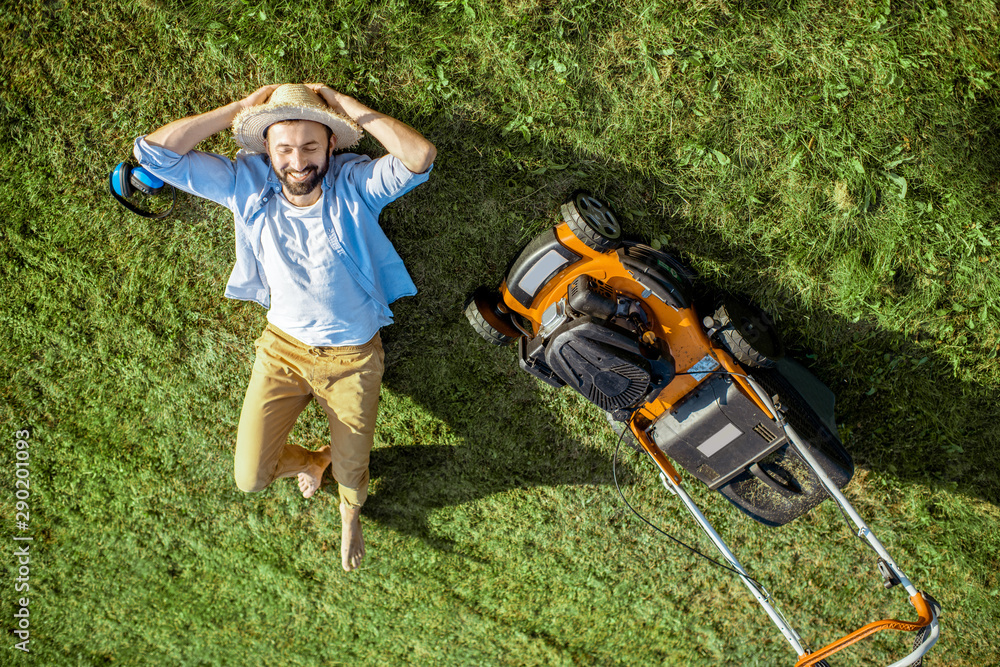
x=601 y=345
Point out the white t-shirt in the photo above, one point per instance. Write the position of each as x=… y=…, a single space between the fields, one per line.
x=313 y=296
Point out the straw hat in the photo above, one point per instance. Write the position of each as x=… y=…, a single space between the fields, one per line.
x=292 y=101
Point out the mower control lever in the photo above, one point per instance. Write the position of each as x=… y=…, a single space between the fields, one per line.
x=889 y=577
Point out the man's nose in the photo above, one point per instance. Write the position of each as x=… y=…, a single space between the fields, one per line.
x=298 y=161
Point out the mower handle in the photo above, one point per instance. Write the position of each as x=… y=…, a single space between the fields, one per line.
x=926 y=614
x=927 y=609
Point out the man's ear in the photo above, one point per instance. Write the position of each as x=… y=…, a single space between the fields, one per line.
x=333 y=144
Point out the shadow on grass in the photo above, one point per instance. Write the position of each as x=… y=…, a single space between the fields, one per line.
x=901 y=410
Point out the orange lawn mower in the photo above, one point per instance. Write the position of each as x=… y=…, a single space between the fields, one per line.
x=708 y=388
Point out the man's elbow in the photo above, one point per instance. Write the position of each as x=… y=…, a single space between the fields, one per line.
x=419 y=167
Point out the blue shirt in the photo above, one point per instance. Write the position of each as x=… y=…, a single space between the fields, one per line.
x=355 y=190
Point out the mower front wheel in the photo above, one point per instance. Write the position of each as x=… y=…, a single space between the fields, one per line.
x=484 y=312
x=592 y=221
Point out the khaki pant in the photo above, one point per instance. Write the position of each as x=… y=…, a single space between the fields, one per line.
x=287 y=374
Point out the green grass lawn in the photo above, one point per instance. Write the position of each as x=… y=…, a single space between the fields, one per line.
x=838 y=162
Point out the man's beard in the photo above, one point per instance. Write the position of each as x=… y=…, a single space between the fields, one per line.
x=299 y=188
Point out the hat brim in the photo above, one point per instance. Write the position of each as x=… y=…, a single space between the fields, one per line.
x=250 y=124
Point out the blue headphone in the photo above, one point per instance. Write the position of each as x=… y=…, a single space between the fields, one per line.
x=127 y=178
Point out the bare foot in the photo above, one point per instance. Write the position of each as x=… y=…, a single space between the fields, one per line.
x=309 y=480
x=352 y=543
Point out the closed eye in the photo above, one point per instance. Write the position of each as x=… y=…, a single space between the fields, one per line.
x=311 y=148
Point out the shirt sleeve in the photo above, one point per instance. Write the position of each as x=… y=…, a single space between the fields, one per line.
x=201 y=174
x=386 y=179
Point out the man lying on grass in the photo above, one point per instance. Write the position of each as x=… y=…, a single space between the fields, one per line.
x=310 y=250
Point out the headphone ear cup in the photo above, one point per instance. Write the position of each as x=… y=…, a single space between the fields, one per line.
x=145 y=182
x=127 y=178
x=121 y=180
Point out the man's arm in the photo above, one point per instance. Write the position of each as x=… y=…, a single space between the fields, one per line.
x=416 y=153
x=181 y=136
x=168 y=152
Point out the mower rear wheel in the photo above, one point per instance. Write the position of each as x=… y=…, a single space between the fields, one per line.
x=484 y=314
x=592 y=221
x=748 y=333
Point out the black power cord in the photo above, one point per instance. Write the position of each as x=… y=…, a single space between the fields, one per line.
x=614 y=471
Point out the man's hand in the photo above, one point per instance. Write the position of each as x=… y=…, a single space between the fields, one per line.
x=258 y=96
x=330 y=96
x=401 y=140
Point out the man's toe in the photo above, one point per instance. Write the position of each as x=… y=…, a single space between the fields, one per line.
x=307 y=485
